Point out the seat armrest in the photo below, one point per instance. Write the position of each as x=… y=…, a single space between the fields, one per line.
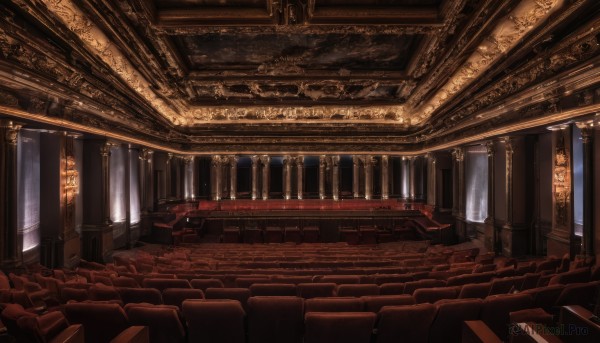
x=72 y=334
x=134 y=334
x=476 y=331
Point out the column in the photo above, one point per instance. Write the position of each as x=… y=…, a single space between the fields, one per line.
x=168 y=187
x=457 y=186
x=300 y=175
x=255 y=160
x=105 y=153
x=385 y=182
x=587 y=240
x=216 y=177
x=491 y=234
x=287 y=177
x=322 y=166
x=146 y=183
x=265 y=160
x=355 y=176
x=335 y=182
x=233 y=177
x=369 y=177
x=411 y=177
x=431 y=182
x=189 y=171
x=8 y=194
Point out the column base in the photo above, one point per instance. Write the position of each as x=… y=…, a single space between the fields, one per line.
x=71 y=252
x=514 y=240
x=97 y=242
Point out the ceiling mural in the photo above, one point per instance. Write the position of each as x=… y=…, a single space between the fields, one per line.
x=195 y=68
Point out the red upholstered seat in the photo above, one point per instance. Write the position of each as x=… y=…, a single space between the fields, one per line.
x=292 y=279
x=69 y=293
x=451 y=313
x=176 y=296
x=214 y=321
x=101 y=321
x=333 y=304
x=392 y=288
x=410 y=287
x=347 y=327
x=340 y=279
x=531 y=315
x=103 y=293
x=357 y=290
x=433 y=294
x=393 y=278
x=575 y=276
x=464 y=279
x=124 y=281
x=239 y=294
x=203 y=284
x=496 y=309
x=246 y=282
x=273 y=289
x=582 y=294
x=409 y=323
x=275 y=319
x=502 y=285
x=163 y=322
x=315 y=290
x=475 y=290
x=549 y=265
x=140 y=295
x=162 y=284
x=545 y=297
x=374 y=303
x=531 y=281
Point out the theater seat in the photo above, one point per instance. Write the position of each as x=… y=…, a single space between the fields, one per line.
x=239 y=294
x=475 y=290
x=275 y=319
x=451 y=313
x=393 y=288
x=408 y=323
x=357 y=290
x=582 y=294
x=347 y=327
x=176 y=296
x=496 y=309
x=545 y=297
x=273 y=289
x=140 y=295
x=333 y=304
x=374 y=303
x=246 y=282
x=203 y=284
x=162 y=284
x=340 y=279
x=163 y=322
x=214 y=321
x=410 y=287
x=316 y=290
x=433 y=294
x=101 y=321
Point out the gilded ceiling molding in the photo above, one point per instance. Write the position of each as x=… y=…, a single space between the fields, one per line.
x=394 y=114
x=98 y=43
x=518 y=23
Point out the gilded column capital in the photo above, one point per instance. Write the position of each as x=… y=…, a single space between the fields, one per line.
x=216 y=160
x=11 y=131
x=490 y=148
x=188 y=159
x=265 y=159
x=105 y=148
x=458 y=154
x=587 y=131
x=146 y=155
x=300 y=160
x=233 y=159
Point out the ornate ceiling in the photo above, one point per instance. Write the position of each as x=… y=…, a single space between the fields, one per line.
x=298 y=75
